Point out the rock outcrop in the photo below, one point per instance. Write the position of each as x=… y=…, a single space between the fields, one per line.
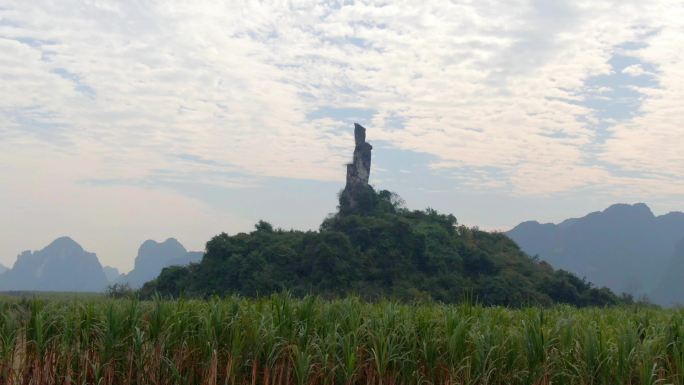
x=358 y=172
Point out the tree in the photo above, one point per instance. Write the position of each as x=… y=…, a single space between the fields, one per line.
x=381 y=249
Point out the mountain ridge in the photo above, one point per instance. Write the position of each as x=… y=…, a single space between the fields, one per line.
x=112 y=273
x=154 y=256
x=52 y=269
x=625 y=247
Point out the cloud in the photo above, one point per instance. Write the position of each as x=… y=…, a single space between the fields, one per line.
x=634 y=70
x=649 y=144
x=146 y=94
x=473 y=84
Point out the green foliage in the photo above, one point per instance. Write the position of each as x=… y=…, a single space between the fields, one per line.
x=120 y=290
x=313 y=341
x=379 y=250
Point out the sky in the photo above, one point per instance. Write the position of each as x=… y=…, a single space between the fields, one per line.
x=122 y=121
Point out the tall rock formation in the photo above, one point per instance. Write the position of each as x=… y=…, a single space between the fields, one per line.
x=358 y=172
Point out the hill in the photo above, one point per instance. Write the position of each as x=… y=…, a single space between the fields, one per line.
x=3 y=269
x=624 y=247
x=61 y=266
x=153 y=257
x=375 y=247
x=112 y=273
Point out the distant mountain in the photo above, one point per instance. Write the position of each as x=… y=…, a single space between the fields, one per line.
x=670 y=290
x=61 y=266
x=3 y=269
x=153 y=257
x=112 y=273
x=624 y=247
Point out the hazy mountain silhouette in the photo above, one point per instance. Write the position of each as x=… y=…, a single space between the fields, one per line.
x=153 y=257
x=3 y=269
x=670 y=290
x=624 y=247
x=112 y=273
x=61 y=266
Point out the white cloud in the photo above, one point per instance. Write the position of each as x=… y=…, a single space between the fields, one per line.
x=634 y=70
x=117 y=90
x=650 y=144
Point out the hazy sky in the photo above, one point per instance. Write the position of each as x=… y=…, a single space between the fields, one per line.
x=122 y=121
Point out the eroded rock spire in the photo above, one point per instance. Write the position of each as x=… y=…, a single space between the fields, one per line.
x=358 y=171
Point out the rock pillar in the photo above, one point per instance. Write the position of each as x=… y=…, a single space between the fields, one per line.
x=358 y=171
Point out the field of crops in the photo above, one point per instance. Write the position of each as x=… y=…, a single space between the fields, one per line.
x=280 y=340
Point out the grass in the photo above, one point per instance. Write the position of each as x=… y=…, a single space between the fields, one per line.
x=281 y=340
x=50 y=295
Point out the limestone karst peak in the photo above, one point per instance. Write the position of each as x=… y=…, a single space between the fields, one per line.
x=358 y=172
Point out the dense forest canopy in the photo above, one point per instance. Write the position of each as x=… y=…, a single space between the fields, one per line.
x=378 y=249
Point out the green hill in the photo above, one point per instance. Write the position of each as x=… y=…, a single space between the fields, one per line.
x=383 y=251
x=374 y=247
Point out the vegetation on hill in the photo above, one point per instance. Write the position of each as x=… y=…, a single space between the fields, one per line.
x=379 y=249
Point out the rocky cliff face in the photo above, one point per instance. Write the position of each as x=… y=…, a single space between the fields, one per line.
x=358 y=172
